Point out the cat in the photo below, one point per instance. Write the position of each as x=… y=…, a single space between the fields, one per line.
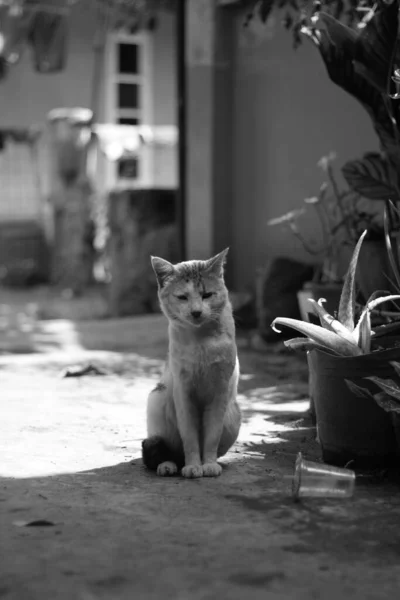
x=192 y=415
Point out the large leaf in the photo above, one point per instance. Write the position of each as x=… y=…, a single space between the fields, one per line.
x=339 y=46
x=320 y=335
x=375 y=46
x=347 y=304
x=388 y=242
x=396 y=366
x=387 y=385
x=370 y=177
x=359 y=391
x=386 y=402
x=338 y=59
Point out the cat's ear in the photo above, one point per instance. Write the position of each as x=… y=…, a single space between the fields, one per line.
x=162 y=268
x=215 y=265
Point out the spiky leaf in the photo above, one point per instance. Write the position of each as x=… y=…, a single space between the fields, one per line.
x=305 y=344
x=374 y=303
x=320 y=335
x=329 y=322
x=370 y=177
x=347 y=304
x=363 y=331
x=386 y=402
x=359 y=391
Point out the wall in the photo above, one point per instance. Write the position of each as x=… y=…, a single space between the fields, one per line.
x=287 y=115
x=165 y=97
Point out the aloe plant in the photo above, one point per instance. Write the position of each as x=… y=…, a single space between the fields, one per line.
x=342 y=335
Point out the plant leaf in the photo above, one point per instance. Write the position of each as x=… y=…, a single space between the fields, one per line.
x=329 y=322
x=386 y=402
x=370 y=177
x=320 y=335
x=265 y=9
x=375 y=46
x=388 y=242
x=305 y=344
x=387 y=385
x=396 y=366
x=338 y=48
x=382 y=330
x=374 y=303
x=347 y=304
x=363 y=331
x=359 y=391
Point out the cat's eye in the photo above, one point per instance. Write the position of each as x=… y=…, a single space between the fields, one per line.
x=207 y=295
x=182 y=297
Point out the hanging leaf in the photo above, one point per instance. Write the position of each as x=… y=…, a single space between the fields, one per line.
x=287 y=20
x=387 y=385
x=347 y=304
x=370 y=177
x=359 y=391
x=376 y=45
x=388 y=242
x=386 y=402
x=337 y=45
x=265 y=9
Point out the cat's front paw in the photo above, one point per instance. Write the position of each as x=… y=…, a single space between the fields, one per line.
x=212 y=469
x=167 y=469
x=192 y=471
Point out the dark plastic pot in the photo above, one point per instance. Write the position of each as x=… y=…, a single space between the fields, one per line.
x=351 y=428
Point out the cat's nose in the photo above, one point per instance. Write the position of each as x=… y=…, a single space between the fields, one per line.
x=196 y=314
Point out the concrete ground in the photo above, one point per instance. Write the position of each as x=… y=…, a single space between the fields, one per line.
x=70 y=456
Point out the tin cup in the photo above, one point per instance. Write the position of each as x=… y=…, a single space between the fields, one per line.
x=315 y=480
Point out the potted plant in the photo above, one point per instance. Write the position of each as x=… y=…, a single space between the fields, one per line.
x=363 y=61
x=342 y=214
x=346 y=348
x=361 y=58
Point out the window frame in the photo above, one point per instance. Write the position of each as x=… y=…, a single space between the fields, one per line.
x=145 y=110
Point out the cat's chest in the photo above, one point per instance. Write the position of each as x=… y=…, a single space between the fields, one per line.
x=195 y=363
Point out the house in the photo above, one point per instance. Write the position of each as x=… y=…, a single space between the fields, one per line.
x=127 y=78
x=258 y=117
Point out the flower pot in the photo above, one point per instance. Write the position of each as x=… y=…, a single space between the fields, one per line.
x=351 y=428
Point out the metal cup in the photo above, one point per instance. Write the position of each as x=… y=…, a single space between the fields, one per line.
x=315 y=480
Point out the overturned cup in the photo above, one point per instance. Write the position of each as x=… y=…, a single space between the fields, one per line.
x=315 y=480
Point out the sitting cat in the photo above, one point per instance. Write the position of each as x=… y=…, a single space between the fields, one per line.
x=192 y=414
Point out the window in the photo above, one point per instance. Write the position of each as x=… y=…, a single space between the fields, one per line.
x=129 y=101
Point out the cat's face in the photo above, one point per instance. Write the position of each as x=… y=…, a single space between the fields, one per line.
x=192 y=292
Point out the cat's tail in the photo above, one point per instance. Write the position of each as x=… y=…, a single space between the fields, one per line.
x=156 y=451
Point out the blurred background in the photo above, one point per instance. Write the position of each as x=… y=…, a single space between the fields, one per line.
x=166 y=127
